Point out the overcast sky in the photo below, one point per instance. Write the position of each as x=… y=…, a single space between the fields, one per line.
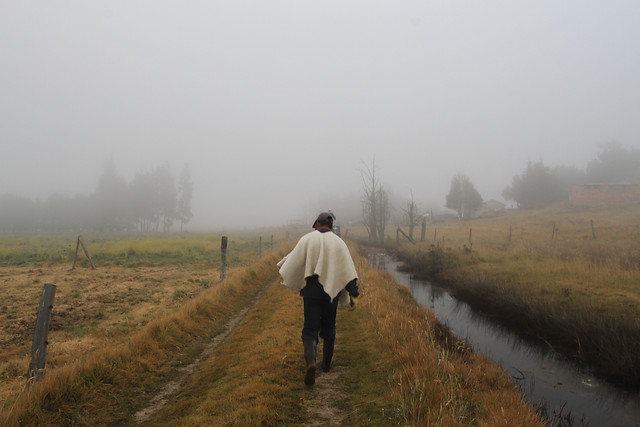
x=274 y=103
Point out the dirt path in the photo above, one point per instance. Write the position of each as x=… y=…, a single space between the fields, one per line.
x=320 y=403
x=160 y=400
x=321 y=399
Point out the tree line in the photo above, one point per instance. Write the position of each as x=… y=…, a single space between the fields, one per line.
x=153 y=201
x=536 y=187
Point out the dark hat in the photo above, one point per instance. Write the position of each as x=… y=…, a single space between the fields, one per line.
x=326 y=217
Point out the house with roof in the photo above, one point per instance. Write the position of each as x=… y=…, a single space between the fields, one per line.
x=490 y=207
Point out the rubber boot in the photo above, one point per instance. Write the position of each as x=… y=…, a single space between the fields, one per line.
x=310 y=358
x=327 y=354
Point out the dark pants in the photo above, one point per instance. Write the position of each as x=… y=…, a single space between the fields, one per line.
x=319 y=318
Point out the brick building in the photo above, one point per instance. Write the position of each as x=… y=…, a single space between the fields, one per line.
x=604 y=194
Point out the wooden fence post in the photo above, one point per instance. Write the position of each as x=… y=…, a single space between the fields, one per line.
x=75 y=257
x=80 y=242
x=409 y=238
x=39 y=345
x=260 y=247
x=424 y=229
x=223 y=250
x=435 y=234
x=553 y=232
x=593 y=231
x=510 y=229
x=470 y=231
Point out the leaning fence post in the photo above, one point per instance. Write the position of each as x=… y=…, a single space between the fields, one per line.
x=470 y=231
x=593 y=231
x=223 y=251
x=75 y=257
x=80 y=242
x=39 y=345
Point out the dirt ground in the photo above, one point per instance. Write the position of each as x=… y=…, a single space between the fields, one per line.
x=321 y=400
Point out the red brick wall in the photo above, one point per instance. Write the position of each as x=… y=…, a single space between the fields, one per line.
x=604 y=194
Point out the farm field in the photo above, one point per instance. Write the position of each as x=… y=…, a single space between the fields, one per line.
x=544 y=274
x=93 y=309
x=138 y=279
x=123 y=333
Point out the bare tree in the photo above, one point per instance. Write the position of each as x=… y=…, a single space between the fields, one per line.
x=375 y=204
x=411 y=214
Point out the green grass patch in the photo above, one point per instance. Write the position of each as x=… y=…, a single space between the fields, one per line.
x=128 y=250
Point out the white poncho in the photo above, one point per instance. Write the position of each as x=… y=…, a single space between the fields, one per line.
x=322 y=254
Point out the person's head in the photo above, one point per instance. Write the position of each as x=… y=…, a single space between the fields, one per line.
x=324 y=220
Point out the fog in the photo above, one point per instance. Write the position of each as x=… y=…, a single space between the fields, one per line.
x=277 y=106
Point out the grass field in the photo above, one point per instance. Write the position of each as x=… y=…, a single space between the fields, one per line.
x=130 y=250
x=137 y=279
x=124 y=331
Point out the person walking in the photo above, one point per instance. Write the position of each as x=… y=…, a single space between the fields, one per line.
x=321 y=269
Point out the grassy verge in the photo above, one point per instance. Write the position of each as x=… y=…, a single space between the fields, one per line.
x=578 y=295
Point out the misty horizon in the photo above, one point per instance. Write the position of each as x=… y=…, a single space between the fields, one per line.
x=276 y=107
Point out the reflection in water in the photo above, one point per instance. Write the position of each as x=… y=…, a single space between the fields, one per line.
x=564 y=394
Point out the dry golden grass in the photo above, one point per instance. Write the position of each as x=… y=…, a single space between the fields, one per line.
x=256 y=376
x=579 y=294
x=396 y=365
x=107 y=384
x=439 y=380
x=249 y=379
x=92 y=309
x=396 y=370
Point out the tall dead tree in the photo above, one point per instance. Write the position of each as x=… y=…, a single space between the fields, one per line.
x=375 y=204
x=411 y=214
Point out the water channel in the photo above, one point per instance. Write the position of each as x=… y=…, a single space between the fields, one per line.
x=563 y=393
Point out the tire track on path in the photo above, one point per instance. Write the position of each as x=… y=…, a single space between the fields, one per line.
x=170 y=389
